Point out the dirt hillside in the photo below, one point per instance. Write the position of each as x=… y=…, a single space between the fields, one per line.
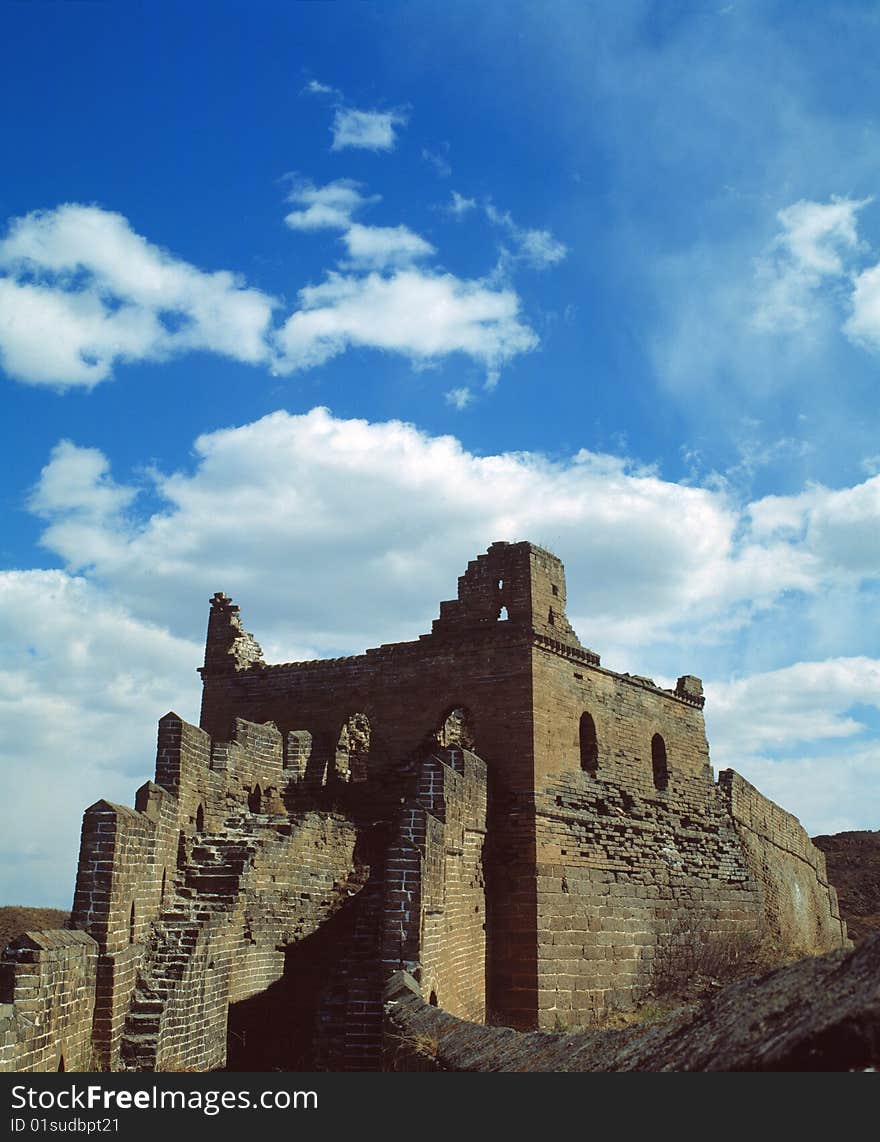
x=854 y=869
x=16 y=919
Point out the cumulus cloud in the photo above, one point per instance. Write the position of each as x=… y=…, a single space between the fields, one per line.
x=335 y=535
x=82 y=684
x=80 y=290
x=816 y=242
x=798 y=732
x=798 y=704
x=379 y=298
x=292 y=488
x=380 y=247
x=837 y=528
x=326 y=207
x=367 y=130
x=332 y=207
x=863 y=324
x=421 y=314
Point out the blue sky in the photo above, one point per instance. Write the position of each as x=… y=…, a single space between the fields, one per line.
x=311 y=302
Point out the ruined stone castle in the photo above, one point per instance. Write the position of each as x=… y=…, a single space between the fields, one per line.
x=525 y=832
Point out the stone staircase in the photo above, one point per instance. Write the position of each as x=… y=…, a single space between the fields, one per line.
x=209 y=886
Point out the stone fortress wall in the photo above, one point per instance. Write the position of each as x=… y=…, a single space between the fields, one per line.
x=531 y=836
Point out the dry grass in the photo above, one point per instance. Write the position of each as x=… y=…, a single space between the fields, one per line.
x=15 y=919
x=694 y=958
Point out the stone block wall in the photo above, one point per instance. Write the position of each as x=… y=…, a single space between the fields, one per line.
x=628 y=883
x=47 y=1002
x=435 y=907
x=631 y=856
x=800 y=904
x=295 y=877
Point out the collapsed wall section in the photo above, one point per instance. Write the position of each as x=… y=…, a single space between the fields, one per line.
x=800 y=904
x=249 y=893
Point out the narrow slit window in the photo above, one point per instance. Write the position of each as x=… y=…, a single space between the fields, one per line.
x=659 y=764
x=589 y=744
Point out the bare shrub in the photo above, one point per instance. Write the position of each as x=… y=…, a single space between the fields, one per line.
x=695 y=956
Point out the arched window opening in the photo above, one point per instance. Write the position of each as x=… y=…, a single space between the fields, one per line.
x=658 y=762
x=500 y=584
x=200 y=819
x=61 y=1066
x=162 y=890
x=551 y=618
x=131 y=924
x=503 y=616
x=433 y=999
x=589 y=744
x=255 y=799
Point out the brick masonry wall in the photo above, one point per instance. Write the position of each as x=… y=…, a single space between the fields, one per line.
x=624 y=869
x=475 y=661
x=296 y=879
x=191 y=896
x=801 y=905
x=49 y=983
x=435 y=910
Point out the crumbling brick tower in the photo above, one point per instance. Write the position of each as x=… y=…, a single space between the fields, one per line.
x=532 y=837
x=609 y=845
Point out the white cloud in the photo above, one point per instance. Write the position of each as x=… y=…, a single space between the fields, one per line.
x=380 y=247
x=785 y=708
x=438 y=161
x=423 y=315
x=368 y=130
x=287 y=488
x=831 y=791
x=815 y=243
x=331 y=207
x=839 y=528
x=328 y=207
x=78 y=480
x=461 y=205
x=817 y=235
x=81 y=291
x=537 y=248
x=863 y=324
x=315 y=87
x=459 y=398
x=793 y=733
x=82 y=684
